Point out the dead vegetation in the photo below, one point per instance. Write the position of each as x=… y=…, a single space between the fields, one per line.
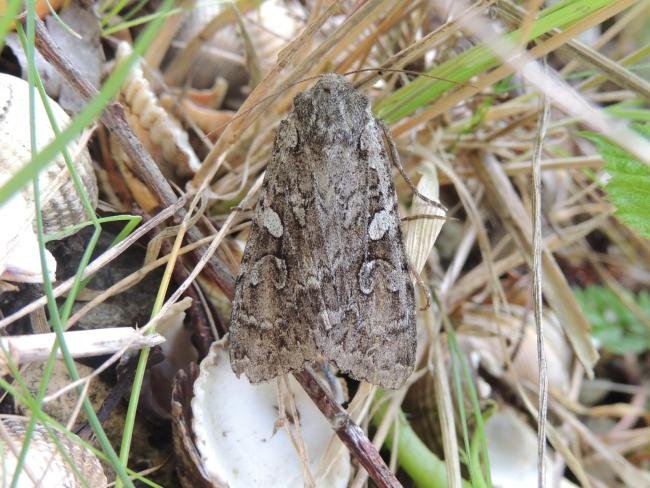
x=525 y=121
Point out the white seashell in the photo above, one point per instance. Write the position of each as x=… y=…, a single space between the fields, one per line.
x=45 y=465
x=240 y=441
x=512 y=446
x=19 y=257
x=479 y=335
x=60 y=203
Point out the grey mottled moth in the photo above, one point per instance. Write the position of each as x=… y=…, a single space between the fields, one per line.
x=324 y=272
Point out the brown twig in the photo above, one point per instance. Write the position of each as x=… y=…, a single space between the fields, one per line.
x=113 y=118
x=350 y=433
x=144 y=166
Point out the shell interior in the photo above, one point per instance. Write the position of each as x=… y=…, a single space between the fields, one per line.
x=240 y=441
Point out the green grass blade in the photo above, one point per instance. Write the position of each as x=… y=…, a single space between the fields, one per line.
x=8 y=18
x=477 y=460
x=87 y=115
x=423 y=90
x=425 y=468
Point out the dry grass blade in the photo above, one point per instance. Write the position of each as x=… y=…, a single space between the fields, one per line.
x=556 y=289
x=537 y=242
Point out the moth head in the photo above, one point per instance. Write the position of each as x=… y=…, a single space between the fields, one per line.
x=332 y=109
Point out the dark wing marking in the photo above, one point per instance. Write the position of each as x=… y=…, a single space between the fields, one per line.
x=372 y=333
x=270 y=321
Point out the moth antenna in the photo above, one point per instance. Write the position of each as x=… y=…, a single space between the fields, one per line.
x=380 y=71
x=394 y=156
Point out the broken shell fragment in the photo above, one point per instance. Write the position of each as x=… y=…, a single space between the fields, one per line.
x=243 y=440
x=46 y=463
x=61 y=407
x=61 y=205
x=159 y=131
x=512 y=447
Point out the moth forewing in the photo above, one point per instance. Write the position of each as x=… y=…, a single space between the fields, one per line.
x=324 y=270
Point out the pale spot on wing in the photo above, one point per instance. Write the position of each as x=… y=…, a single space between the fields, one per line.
x=271 y=222
x=380 y=224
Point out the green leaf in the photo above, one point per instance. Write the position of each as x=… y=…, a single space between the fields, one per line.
x=615 y=327
x=629 y=186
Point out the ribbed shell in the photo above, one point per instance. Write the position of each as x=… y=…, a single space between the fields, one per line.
x=60 y=202
x=44 y=461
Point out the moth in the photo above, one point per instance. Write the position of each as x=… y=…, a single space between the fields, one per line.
x=324 y=271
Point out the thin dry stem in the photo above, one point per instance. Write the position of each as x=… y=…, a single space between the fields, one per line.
x=537 y=242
